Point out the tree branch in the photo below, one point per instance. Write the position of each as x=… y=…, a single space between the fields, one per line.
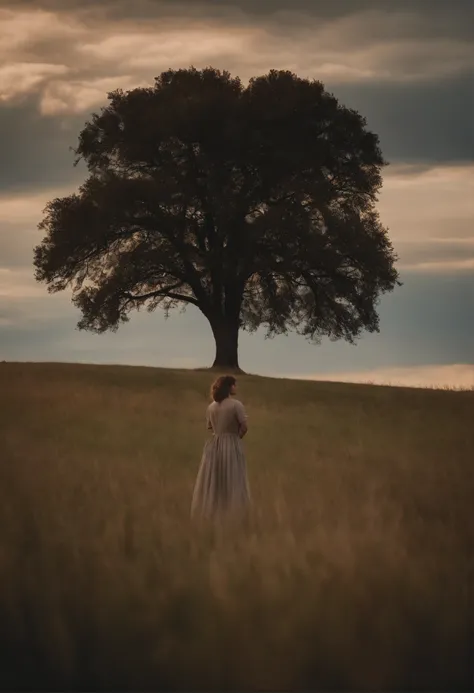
x=165 y=293
x=182 y=297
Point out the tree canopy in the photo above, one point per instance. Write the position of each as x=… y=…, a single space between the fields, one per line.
x=256 y=204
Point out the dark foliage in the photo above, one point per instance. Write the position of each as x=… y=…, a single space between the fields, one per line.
x=256 y=204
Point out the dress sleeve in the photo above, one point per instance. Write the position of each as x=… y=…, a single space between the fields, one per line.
x=240 y=413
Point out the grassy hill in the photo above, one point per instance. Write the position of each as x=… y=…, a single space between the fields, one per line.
x=356 y=572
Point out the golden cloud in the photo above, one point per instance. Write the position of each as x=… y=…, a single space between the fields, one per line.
x=99 y=54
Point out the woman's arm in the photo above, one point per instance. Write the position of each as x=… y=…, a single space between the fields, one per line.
x=241 y=418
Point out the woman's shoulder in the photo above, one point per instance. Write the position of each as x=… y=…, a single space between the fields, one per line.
x=228 y=402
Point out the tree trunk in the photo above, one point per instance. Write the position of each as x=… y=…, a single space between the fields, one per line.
x=226 y=335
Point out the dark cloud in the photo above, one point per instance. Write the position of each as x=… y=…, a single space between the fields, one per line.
x=397 y=19
x=441 y=17
x=432 y=313
x=34 y=150
x=418 y=122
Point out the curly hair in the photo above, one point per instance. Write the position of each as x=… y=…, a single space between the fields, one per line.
x=220 y=388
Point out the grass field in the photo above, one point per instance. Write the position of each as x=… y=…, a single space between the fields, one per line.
x=356 y=572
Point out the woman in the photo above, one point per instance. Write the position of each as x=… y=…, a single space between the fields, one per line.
x=221 y=486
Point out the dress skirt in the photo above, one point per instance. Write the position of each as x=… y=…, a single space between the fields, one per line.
x=222 y=487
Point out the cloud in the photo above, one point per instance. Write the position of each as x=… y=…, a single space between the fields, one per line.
x=447 y=266
x=21 y=78
x=373 y=45
x=427 y=122
x=436 y=255
x=26 y=209
x=35 y=151
x=194 y=44
x=429 y=213
x=440 y=376
x=364 y=45
x=446 y=17
x=76 y=96
x=18 y=283
x=434 y=203
x=19 y=218
x=20 y=29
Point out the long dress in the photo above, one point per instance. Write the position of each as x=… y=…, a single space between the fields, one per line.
x=222 y=488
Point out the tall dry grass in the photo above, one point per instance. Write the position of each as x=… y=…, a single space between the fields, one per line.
x=355 y=572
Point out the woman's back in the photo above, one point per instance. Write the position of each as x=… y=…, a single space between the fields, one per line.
x=226 y=416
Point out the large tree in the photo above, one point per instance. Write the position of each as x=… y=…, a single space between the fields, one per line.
x=256 y=204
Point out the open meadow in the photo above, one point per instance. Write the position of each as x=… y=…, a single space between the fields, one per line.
x=355 y=572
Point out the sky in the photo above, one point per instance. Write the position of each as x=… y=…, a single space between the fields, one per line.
x=406 y=65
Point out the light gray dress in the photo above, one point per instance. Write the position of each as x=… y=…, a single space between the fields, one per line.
x=222 y=486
